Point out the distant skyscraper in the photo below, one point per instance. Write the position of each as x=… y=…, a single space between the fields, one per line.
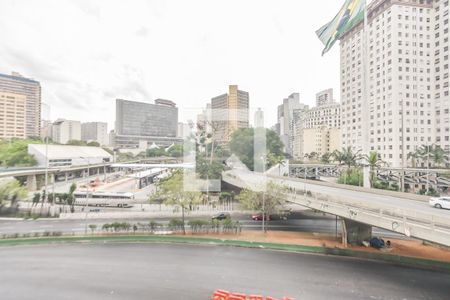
x=286 y=118
x=95 y=131
x=259 y=118
x=317 y=129
x=229 y=112
x=151 y=123
x=325 y=97
x=12 y=115
x=17 y=84
x=66 y=130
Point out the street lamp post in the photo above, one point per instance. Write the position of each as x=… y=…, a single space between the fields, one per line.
x=263 y=157
x=87 y=195
x=46 y=173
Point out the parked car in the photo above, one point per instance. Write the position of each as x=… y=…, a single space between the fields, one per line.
x=221 y=216
x=259 y=217
x=440 y=202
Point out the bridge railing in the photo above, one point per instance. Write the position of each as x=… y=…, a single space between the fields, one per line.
x=410 y=222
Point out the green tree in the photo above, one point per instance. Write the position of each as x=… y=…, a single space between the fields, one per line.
x=348 y=157
x=11 y=190
x=326 y=158
x=438 y=155
x=93 y=144
x=276 y=160
x=156 y=152
x=92 y=227
x=207 y=170
x=76 y=143
x=71 y=197
x=36 y=198
x=14 y=153
x=414 y=156
x=172 y=192
x=175 y=151
x=242 y=145
x=269 y=201
x=375 y=162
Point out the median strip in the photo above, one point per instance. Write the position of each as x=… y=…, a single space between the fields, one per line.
x=395 y=259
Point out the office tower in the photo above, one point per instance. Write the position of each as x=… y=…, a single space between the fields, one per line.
x=285 y=119
x=95 y=131
x=405 y=103
x=66 y=130
x=229 y=112
x=31 y=89
x=139 y=122
x=12 y=115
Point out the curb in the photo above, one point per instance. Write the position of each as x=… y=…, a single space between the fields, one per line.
x=393 y=259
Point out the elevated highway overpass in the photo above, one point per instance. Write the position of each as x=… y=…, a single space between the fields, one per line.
x=360 y=208
x=82 y=170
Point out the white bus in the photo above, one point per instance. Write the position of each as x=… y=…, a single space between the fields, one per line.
x=104 y=199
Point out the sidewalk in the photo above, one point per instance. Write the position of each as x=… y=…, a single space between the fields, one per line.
x=409 y=248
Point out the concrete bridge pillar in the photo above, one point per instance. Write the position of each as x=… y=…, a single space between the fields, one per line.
x=356 y=232
x=51 y=178
x=366 y=176
x=31 y=183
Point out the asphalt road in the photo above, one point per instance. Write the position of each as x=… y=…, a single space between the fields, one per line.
x=172 y=271
x=304 y=221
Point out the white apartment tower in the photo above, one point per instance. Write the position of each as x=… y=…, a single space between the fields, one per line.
x=316 y=129
x=407 y=52
x=441 y=73
x=66 y=130
x=95 y=132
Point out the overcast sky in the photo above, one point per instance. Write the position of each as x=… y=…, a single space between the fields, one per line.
x=88 y=53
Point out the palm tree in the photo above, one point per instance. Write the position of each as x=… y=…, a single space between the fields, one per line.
x=425 y=153
x=375 y=162
x=414 y=156
x=348 y=157
x=325 y=158
x=338 y=157
x=438 y=155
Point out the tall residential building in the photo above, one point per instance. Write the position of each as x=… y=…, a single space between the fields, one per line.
x=31 y=89
x=66 y=130
x=285 y=120
x=12 y=115
x=441 y=73
x=406 y=103
x=320 y=140
x=315 y=129
x=229 y=112
x=139 y=123
x=95 y=131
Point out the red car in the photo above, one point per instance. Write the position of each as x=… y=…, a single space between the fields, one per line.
x=259 y=217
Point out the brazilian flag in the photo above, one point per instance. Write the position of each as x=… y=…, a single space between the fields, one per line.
x=351 y=13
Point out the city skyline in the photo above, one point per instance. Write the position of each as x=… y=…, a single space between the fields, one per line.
x=80 y=83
